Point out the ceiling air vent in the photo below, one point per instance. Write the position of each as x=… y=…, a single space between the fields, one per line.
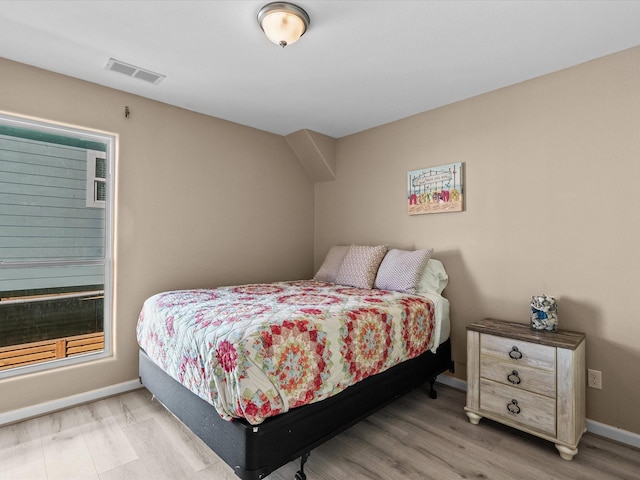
x=133 y=71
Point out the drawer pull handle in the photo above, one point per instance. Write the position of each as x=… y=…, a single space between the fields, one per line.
x=514 y=378
x=515 y=353
x=513 y=407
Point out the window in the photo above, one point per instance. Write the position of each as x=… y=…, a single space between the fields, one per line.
x=56 y=204
x=96 y=179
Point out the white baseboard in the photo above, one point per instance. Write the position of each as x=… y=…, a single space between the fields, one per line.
x=20 y=414
x=597 y=428
x=452 y=382
x=613 y=433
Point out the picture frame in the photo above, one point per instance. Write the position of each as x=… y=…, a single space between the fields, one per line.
x=436 y=189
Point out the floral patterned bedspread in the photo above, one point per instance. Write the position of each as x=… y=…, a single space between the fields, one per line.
x=255 y=351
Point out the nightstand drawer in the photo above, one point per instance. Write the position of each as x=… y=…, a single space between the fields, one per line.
x=522 y=377
x=521 y=407
x=518 y=352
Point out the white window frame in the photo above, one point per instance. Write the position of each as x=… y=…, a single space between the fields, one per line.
x=93 y=180
x=108 y=325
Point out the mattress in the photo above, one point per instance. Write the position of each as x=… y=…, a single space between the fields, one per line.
x=255 y=351
x=443 y=322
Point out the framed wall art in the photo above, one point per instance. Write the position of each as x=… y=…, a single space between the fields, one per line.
x=435 y=189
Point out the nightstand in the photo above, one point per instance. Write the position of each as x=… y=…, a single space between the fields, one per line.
x=530 y=380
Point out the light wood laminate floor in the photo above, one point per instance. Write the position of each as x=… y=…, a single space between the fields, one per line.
x=132 y=437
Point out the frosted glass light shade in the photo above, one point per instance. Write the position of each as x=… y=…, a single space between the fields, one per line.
x=283 y=23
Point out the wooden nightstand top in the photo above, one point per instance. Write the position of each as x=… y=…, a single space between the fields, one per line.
x=524 y=332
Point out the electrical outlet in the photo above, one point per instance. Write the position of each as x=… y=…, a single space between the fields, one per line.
x=594 y=379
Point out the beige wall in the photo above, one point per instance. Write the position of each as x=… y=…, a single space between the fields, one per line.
x=552 y=169
x=200 y=202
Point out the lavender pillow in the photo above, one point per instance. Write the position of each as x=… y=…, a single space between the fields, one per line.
x=332 y=262
x=401 y=270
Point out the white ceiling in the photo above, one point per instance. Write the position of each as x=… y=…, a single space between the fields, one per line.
x=360 y=64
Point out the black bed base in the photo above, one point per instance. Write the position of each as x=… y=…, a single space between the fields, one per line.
x=256 y=451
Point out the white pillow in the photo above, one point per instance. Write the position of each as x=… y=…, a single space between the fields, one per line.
x=434 y=278
x=332 y=262
x=401 y=270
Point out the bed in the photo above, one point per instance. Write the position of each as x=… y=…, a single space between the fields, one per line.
x=264 y=373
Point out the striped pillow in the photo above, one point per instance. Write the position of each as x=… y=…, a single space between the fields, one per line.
x=329 y=269
x=401 y=270
x=360 y=266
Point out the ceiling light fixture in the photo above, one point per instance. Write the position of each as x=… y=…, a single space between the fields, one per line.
x=283 y=23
